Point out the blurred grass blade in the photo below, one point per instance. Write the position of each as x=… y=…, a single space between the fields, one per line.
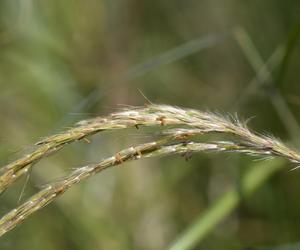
x=249 y=49
x=167 y=57
x=283 y=111
x=291 y=44
x=262 y=76
x=175 y=54
x=205 y=224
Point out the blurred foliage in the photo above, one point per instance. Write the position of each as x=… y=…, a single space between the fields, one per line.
x=62 y=61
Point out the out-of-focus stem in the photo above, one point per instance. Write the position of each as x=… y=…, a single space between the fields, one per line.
x=205 y=224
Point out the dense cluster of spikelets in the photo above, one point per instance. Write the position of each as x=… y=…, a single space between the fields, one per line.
x=186 y=123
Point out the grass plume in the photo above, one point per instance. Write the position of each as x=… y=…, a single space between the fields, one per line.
x=174 y=141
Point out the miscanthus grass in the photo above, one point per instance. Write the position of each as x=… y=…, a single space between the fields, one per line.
x=178 y=140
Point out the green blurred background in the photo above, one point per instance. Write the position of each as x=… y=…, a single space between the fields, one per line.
x=63 y=61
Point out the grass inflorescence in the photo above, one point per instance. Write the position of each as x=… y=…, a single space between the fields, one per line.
x=179 y=140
